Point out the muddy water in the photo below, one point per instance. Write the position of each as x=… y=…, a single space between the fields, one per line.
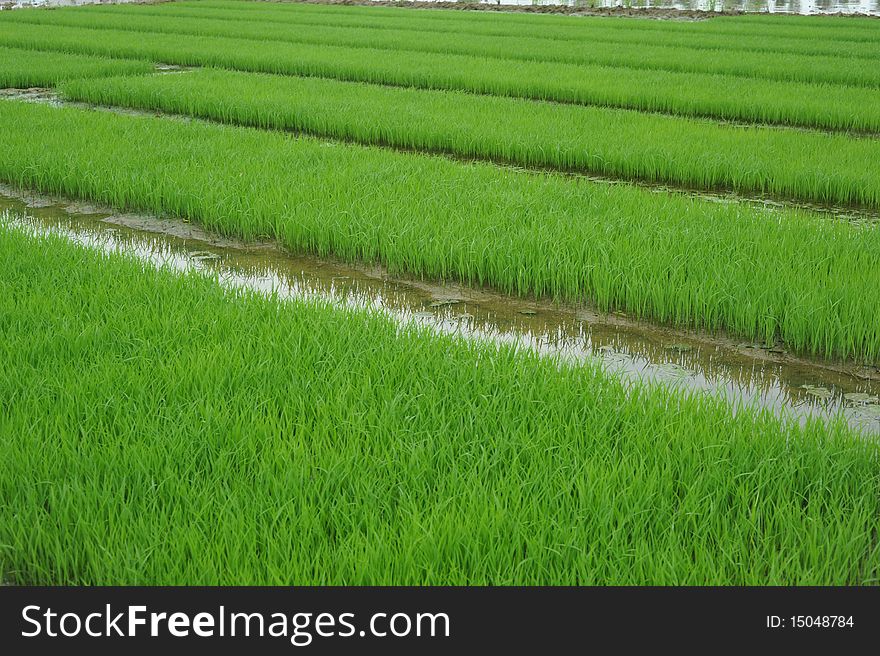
x=743 y=373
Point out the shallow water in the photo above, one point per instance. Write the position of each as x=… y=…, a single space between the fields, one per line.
x=743 y=373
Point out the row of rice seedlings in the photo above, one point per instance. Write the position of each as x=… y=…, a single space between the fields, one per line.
x=807 y=166
x=769 y=28
x=803 y=68
x=809 y=281
x=230 y=439
x=843 y=24
x=596 y=31
x=832 y=107
x=727 y=97
x=30 y=68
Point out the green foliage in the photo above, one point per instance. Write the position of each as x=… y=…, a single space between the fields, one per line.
x=852 y=39
x=830 y=106
x=624 y=144
x=807 y=279
x=157 y=430
x=219 y=42
x=29 y=68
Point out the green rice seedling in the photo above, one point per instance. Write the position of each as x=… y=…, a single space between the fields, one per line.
x=634 y=32
x=729 y=97
x=624 y=144
x=796 y=67
x=852 y=28
x=808 y=280
x=158 y=430
x=30 y=68
x=768 y=28
x=830 y=106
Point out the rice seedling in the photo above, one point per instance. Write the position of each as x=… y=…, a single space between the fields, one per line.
x=159 y=430
x=625 y=32
x=728 y=97
x=691 y=94
x=790 y=67
x=695 y=154
x=771 y=28
x=808 y=280
x=858 y=29
x=30 y=68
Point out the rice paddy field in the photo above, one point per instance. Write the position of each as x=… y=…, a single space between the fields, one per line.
x=556 y=194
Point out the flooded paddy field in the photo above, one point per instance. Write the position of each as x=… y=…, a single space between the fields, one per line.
x=747 y=375
x=438 y=297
